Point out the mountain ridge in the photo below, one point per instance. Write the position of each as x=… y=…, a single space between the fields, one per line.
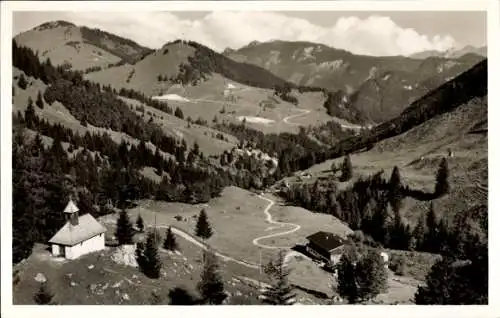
x=453 y=53
x=80 y=47
x=364 y=80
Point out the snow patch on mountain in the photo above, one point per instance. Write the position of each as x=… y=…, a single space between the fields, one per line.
x=173 y=97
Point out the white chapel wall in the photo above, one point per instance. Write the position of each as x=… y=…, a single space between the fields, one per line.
x=91 y=245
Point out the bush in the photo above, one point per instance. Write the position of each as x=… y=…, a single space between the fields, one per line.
x=43 y=296
x=357 y=236
x=22 y=83
x=178 y=113
x=347 y=172
x=398 y=264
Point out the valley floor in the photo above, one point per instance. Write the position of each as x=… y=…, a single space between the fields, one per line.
x=248 y=229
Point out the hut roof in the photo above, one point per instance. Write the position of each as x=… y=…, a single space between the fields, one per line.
x=86 y=228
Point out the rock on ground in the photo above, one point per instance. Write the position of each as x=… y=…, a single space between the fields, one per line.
x=40 y=278
x=125 y=255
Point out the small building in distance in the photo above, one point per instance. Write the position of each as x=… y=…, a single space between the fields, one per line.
x=326 y=246
x=80 y=235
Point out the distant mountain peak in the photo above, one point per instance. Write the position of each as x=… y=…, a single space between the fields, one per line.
x=253 y=43
x=228 y=50
x=454 y=52
x=54 y=24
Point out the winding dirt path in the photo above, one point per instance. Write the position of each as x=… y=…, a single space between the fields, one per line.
x=190 y=238
x=303 y=113
x=307 y=111
x=269 y=218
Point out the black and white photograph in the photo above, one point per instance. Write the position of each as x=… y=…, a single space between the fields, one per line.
x=261 y=153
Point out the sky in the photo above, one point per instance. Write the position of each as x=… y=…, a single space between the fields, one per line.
x=361 y=32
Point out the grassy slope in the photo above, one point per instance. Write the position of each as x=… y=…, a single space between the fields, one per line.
x=195 y=133
x=246 y=100
x=207 y=101
x=237 y=218
x=58 y=114
x=111 y=281
x=148 y=172
x=52 y=43
x=146 y=71
x=468 y=167
x=82 y=47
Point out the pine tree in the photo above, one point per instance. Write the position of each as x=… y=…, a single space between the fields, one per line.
x=346 y=286
x=398 y=264
x=379 y=222
x=30 y=115
x=452 y=282
x=400 y=235
x=157 y=237
x=148 y=258
x=438 y=285
x=395 y=180
x=124 y=230
x=170 y=242
x=211 y=286
x=139 y=254
x=346 y=169
x=139 y=223
x=333 y=167
x=371 y=276
x=196 y=149
x=22 y=83
x=395 y=189
x=361 y=275
x=222 y=159
x=203 y=228
x=43 y=296
x=180 y=296
x=334 y=205
x=431 y=237
x=39 y=101
x=178 y=113
x=418 y=236
x=442 y=184
x=280 y=292
x=23 y=211
x=443 y=237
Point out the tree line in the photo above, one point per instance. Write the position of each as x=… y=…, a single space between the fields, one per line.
x=90 y=103
x=468 y=85
x=102 y=172
x=372 y=205
x=284 y=146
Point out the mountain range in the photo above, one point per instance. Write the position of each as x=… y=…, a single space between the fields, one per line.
x=375 y=86
x=393 y=150
x=452 y=53
x=370 y=89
